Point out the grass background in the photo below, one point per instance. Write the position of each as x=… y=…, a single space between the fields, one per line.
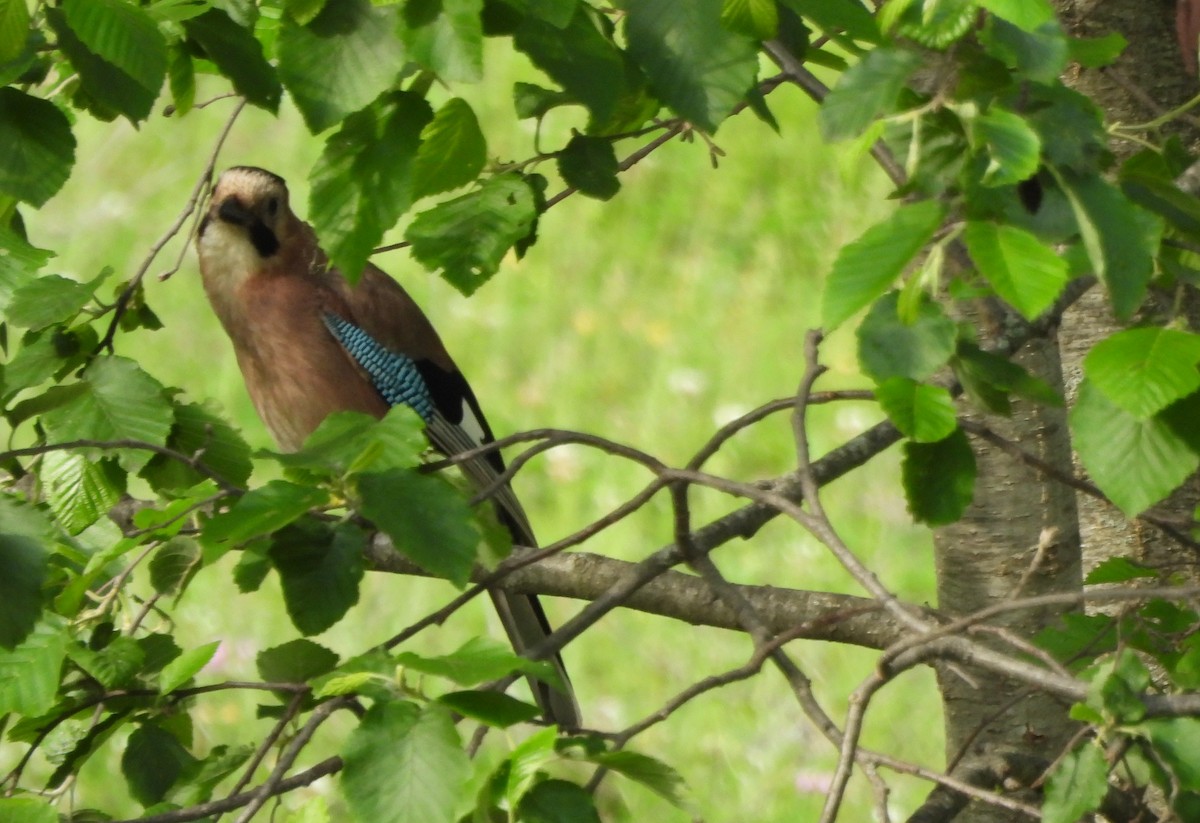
x=650 y=319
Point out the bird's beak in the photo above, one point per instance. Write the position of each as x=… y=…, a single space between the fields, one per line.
x=232 y=211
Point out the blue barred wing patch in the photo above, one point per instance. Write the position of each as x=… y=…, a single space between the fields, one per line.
x=395 y=376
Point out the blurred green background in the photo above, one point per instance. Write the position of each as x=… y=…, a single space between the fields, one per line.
x=651 y=319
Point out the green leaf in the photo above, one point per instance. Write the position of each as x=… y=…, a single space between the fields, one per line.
x=37 y=148
x=1028 y=15
x=174 y=563
x=51 y=299
x=939 y=479
x=364 y=180
x=1117 y=570
x=1145 y=370
x=104 y=89
x=1022 y=270
x=183 y=668
x=24 y=561
x=200 y=431
x=890 y=347
x=304 y=11
x=427 y=519
x=404 y=765
x=477 y=661
x=754 y=18
x=579 y=57
x=453 y=150
x=320 y=571
x=296 y=661
x=1039 y=55
x=468 y=236
x=123 y=35
x=181 y=78
x=341 y=61
x=18 y=259
x=239 y=55
x=1076 y=786
x=263 y=511
x=493 y=708
x=1135 y=462
x=526 y=762
x=26 y=809
x=1097 y=52
x=921 y=412
x=153 y=762
x=351 y=442
x=1113 y=233
x=650 y=772
x=446 y=37
x=1014 y=148
x=866 y=91
x=157 y=651
x=29 y=673
x=694 y=64
x=838 y=16
x=866 y=268
x=589 y=164
x=80 y=490
x=14 y=29
x=989 y=378
x=531 y=100
x=116 y=401
x=557 y=801
x=115 y=665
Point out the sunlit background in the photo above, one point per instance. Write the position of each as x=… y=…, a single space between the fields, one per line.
x=650 y=319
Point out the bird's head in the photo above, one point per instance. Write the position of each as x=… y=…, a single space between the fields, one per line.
x=248 y=217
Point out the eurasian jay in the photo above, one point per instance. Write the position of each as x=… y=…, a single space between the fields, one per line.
x=363 y=348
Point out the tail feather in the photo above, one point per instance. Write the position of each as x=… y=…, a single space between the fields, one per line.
x=526 y=626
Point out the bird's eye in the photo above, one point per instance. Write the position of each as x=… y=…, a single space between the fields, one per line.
x=273 y=206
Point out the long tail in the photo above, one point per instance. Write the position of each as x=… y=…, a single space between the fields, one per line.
x=526 y=625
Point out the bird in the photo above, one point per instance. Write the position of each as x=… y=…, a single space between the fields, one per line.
x=309 y=343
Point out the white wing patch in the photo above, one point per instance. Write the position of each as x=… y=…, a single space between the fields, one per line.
x=470 y=424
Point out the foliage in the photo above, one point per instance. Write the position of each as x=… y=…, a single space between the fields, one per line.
x=1007 y=173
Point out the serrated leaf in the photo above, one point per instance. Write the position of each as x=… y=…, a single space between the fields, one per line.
x=589 y=164
x=939 y=479
x=577 y=56
x=116 y=401
x=152 y=762
x=525 y=764
x=181 y=79
x=1040 y=55
x=296 y=661
x=1135 y=462
x=754 y=18
x=694 y=64
x=239 y=55
x=446 y=37
x=1114 y=237
x=989 y=378
x=26 y=809
x=427 y=519
x=320 y=571
x=1076 y=786
x=365 y=178
x=1023 y=271
x=37 y=148
x=1145 y=370
x=453 y=150
x=104 y=89
x=341 y=61
x=839 y=16
x=866 y=91
x=891 y=347
x=123 y=35
x=1117 y=570
x=477 y=661
x=173 y=565
x=51 y=299
x=467 y=237
x=351 y=442
x=1014 y=148
x=404 y=765
x=29 y=672
x=183 y=668
x=115 y=665
x=558 y=801
x=650 y=772
x=263 y=511
x=921 y=412
x=80 y=490
x=157 y=651
x=1025 y=14
x=493 y=708
x=865 y=268
x=200 y=432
